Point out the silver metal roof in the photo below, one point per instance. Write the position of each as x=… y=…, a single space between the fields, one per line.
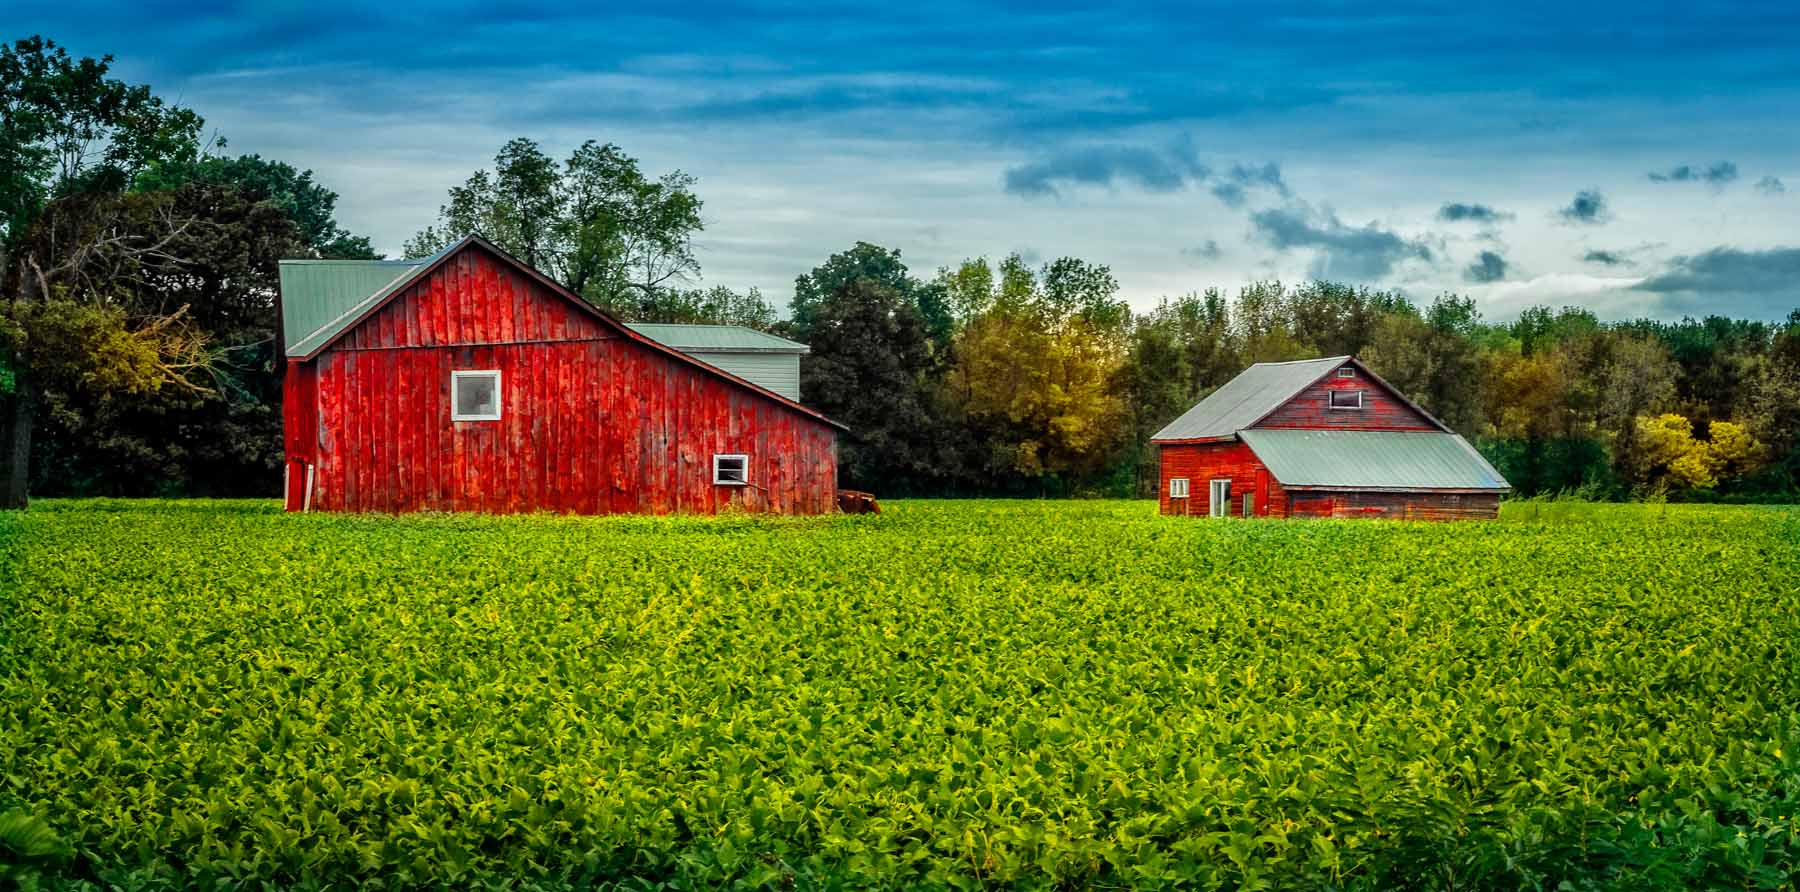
x=1244 y=400
x=716 y=338
x=1372 y=460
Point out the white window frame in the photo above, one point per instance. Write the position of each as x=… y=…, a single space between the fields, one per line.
x=1218 y=497
x=1178 y=487
x=719 y=479
x=1346 y=372
x=1331 y=400
x=456 y=378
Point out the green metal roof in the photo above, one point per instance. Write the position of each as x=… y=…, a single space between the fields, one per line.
x=317 y=296
x=1365 y=460
x=716 y=338
x=1244 y=400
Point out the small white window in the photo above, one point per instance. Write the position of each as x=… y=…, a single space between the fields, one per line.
x=475 y=396
x=1346 y=399
x=1178 y=488
x=1346 y=372
x=731 y=470
x=1218 y=503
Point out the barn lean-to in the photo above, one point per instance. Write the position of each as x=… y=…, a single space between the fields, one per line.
x=469 y=381
x=1319 y=438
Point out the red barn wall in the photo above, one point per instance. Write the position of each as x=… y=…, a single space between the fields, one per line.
x=1202 y=463
x=1381 y=409
x=1396 y=505
x=591 y=421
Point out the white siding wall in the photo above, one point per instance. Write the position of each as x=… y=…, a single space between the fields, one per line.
x=779 y=372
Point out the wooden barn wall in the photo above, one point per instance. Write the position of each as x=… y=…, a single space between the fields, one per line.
x=1397 y=505
x=1202 y=463
x=590 y=422
x=1381 y=409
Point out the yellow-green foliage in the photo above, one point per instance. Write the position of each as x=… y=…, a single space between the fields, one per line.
x=950 y=694
x=1675 y=458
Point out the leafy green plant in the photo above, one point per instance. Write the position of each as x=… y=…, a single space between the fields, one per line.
x=948 y=695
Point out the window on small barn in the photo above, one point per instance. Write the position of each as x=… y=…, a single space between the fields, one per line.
x=475 y=396
x=731 y=470
x=1346 y=399
x=1346 y=372
x=1178 y=488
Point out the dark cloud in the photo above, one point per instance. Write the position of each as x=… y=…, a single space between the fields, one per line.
x=1456 y=212
x=1716 y=174
x=1149 y=169
x=1771 y=186
x=1761 y=284
x=1606 y=258
x=1588 y=206
x=1234 y=185
x=1207 y=250
x=1353 y=253
x=1489 y=267
x=1152 y=170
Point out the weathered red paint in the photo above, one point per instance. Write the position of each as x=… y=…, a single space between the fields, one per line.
x=594 y=419
x=1382 y=409
x=1201 y=461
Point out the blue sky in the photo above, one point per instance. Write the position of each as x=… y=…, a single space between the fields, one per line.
x=1635 y=158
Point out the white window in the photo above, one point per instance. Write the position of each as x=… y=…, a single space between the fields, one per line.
x=1219 y=503
x=1178 y=488
x=1346 y=372
x=1346 y=399
x=731 y=470
x=475 y=396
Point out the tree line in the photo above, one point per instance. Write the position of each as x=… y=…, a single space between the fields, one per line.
x=140 y=350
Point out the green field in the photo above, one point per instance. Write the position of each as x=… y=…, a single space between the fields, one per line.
x=970 y=694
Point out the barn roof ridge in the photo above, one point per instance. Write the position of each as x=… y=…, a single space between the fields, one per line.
x=325 y=335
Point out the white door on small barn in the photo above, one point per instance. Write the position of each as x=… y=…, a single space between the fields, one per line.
x=1218 y=498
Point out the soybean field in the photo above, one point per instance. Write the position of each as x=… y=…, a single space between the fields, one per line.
x=972 y=695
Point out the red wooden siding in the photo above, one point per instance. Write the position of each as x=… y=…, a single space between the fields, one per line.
x=1397 y=505
x=1381 y=409
x=1202 y=463
x=591 y=421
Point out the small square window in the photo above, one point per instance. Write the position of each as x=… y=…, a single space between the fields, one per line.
x=1346 y=399
x=475 y=396
x=1178 y=488
x=1346 y=372
x=731 y=470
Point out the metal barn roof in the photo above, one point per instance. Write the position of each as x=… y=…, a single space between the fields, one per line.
x=1372 y=460
x=319 y=297
x=1244 y=400
x=716 y=338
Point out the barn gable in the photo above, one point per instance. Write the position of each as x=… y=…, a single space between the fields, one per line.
x=1298 y=395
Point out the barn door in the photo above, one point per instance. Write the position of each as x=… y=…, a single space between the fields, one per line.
x=1262 y=492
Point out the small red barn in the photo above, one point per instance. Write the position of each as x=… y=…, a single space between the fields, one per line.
x=469 y=381
x=1320 y=438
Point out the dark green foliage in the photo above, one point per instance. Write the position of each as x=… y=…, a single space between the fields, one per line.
x=950 y=695
x=309 y=205
x=871 y=368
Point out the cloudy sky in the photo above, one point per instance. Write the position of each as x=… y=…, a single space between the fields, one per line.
x=1641 y=159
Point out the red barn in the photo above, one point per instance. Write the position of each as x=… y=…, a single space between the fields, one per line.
x=1320 y=438
x=469 y=381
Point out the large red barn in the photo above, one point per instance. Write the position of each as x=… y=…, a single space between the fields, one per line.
x=469 y=381
x=1320 y=438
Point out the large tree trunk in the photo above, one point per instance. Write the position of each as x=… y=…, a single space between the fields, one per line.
x=15 y=443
